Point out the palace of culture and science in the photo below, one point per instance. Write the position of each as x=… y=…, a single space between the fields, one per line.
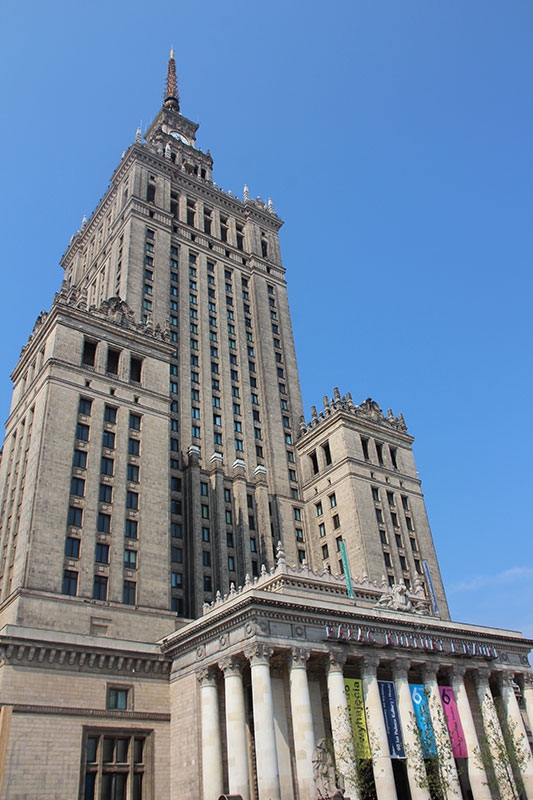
x=203 y=592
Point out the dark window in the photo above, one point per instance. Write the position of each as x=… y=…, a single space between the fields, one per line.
x=132 y=500
x=325 y=553
x=375 y=494
x=108 y=440
x=100 y=587
x=131 y=529
x=103 y=523
x=390 y=498
x=314 y=462
x=383 y=536
x=386 y=558
x=75 y=516
x=77 y=487
x=84 y=406
x=107 y=466
x=394 y=518
x=82 y=432
x=134 y=447
x=79 y=459
x=130 y=559
x=379 y=516
x=379 y=451
x=102 y=554
x=364 y=445
x=117 y=698
x=113 y=357
x=405 y=502
x=136 y=369
x=89 y=353
x=206 y=558
x=129 y=592
x=135 y=422
x=110 y=414
x=176 y=555
x=70 y=582
x=72 y=547
x=207 y=583
x=133 y=473
x=336 y=521
x=106 y=493
x=150 y=193
x=393 y=457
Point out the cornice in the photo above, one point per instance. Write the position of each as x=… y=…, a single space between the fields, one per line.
x=115 y=717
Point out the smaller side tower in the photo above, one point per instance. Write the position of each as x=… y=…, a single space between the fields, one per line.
x=360 y=486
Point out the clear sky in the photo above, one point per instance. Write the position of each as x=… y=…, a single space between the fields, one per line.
x=395 y=139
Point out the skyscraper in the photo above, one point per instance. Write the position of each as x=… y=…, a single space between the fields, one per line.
x=157 y=460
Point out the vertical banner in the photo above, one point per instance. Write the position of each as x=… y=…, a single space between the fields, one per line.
x=423 y=719
x=392 y=718
x=356 y=712
x=453 y=721
x=425 y=567
x=346 y=568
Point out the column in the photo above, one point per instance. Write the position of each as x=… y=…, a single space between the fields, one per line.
x=302 y=722
x=265 y=736
x=237 y=746
x=517 y=735
x=377 y=733
x=416 y=770
x=476 y=771
x=340 y=724
x=528 y=696
x=493 y=740
x=446 y=762
x=212 y=779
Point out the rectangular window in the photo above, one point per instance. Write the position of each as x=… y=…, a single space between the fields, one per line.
x=102 y=553
x=364 y=445
x=297 y=514
x=132 y=500
x=103 y=523
x=322 y=529
x=105 y=493
x=333 y=500
x=113 y=357
x=375 y=494
x=89 y=353
x=117 y=698
x=231 y=563
x=325 y=553
x=229 y=517
x=130 y=529
x=336 y=521
x=175 y=530
x=394 y=457
x=77 y=487
x=72 y=547
x=390 y=498
x=129 y=592
x=206 y=558
x=195 y=432
x=130 y=559
x=84 y=406
x=70 y=583
x=205 y=534
x=107 y=466
x=405 y=502
x=82 y=432
x=379 y=451
x=133 y=473
x=383 y=536
x=319 y=509
x=207 y=583
x=314 y=462
x=394 y=518
x=100 y=587
x=176 y=555
x=134 y=447
x=79 y=459
x=176 y=580
x=75 y=517
x=108 y=440
x=387 y=560
x=379 y=516
x=205 y=511
x=135 y=422
x=239 y=445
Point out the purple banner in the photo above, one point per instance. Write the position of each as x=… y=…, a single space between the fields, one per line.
x=392 y=718
x=453 y=722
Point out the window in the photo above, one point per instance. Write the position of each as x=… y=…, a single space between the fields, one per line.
x=205 y=535
x=239 y=445
x=301 y=556
x=113 y=357
x=77 y=487
x=79 y=459
x=107 y=466
x=75 y=516
x=132 y=500
x=100 y=587
x=409 y=523
x=375 y=494
x=325 y=553
x=414 y=548
x=130 y=559
x=387 y=560
x=102 y=553
x=175 y=530
x=253 y=546
x=322 y=529
x=176 y=580
x=115 y=762
x=379 y=451
x=403 y=563
x=231 y=563
x=390 y=498
x=206 y=558
x=203 y=489
x=319 y=509
x=394 y=518
x=336 y=521
x=417 y=566
x=110 y=414
x=229 y=517
x=383 y=536
x=217 y=419
x=130 y=529
x=103 y=523
x=117 y=698
x=314 y=462
x=82 y=432
x=207 y=583
x=405 y=503
x=134 y=447
x=379 y=516
x=333 y=500
x=364 y=445
x=204 y=511
x=108 y=440
x=133 y=473
x=229 y=539
x=72 y=547
x=217 y=438
x=89 y=353
x=227 y=495
x=292 y=475
x=195 y=432
x=290 y=456
x=106 y=493
x=393 y=457
x=297 y=514
x=176 y=555
x=70 y=583
x=135 y=422
x=195 y=413
x=84 y=406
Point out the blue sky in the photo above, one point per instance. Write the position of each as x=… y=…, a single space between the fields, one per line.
x=395 y=141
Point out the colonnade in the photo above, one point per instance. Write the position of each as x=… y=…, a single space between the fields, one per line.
x=267 y=773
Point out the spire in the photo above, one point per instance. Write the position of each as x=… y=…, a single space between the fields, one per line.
x=171 y=97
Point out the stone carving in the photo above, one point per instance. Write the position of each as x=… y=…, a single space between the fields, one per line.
x=324 y=774
x=398 y=598
x=369 y=409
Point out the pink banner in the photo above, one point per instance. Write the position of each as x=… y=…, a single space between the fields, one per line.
x=453 y=722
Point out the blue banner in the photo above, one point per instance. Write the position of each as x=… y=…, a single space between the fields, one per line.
x=423 y=719
x=392 y=718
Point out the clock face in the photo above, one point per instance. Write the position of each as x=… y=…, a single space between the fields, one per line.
x=179 y=136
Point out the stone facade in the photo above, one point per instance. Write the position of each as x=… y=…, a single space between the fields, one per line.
x=193 y=579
